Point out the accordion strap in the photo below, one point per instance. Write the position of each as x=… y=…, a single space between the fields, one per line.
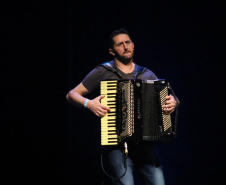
x=109 y=65
x=176 y=111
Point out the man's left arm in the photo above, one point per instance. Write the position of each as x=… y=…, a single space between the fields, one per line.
x=170 y=104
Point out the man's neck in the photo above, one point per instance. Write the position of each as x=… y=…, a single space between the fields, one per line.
x=126 y=68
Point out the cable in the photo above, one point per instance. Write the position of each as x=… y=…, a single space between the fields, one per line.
x=114 y=178
x=125 y=156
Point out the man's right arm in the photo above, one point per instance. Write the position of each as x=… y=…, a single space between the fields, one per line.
x=76 y=97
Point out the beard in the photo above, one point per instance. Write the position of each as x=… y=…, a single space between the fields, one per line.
x=124 y=58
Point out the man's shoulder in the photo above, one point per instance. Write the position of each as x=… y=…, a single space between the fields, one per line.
x=93 y=78
x=146 y=73
x=149 y=71
x=107 y=65
x=140 y=68
x=101 y=67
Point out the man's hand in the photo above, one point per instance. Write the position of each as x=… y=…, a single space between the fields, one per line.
x=96 y=107
x=170 y=104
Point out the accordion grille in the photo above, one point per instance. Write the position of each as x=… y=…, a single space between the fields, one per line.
x=165 y=117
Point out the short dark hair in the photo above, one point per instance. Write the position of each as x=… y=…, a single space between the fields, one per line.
x=118 y=32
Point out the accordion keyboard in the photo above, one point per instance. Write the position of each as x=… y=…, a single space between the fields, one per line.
x=108 y=122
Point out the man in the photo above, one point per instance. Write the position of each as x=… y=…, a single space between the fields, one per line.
x=142 y=156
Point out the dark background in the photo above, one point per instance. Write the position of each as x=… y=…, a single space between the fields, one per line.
x=49 y=47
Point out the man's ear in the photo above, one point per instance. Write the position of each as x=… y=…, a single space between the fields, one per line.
x=111 y=52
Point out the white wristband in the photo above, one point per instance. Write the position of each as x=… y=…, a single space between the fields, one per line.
x=85 y=103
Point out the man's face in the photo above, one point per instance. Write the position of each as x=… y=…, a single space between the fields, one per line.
x=123 y=47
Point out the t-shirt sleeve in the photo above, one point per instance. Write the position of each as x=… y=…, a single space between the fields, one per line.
x=92 y=80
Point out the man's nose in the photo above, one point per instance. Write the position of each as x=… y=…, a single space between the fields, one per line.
x=125 y=46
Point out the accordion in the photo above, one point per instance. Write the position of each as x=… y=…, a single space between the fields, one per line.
x=136 y=111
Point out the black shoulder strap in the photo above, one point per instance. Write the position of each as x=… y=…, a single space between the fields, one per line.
x=109 y=66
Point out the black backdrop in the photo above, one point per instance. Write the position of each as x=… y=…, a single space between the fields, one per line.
x=48 y=48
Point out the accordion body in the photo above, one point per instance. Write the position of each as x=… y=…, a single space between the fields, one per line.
x=136 y=111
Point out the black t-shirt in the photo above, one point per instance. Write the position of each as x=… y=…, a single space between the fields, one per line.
x=139 y=153
x=92 y=80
